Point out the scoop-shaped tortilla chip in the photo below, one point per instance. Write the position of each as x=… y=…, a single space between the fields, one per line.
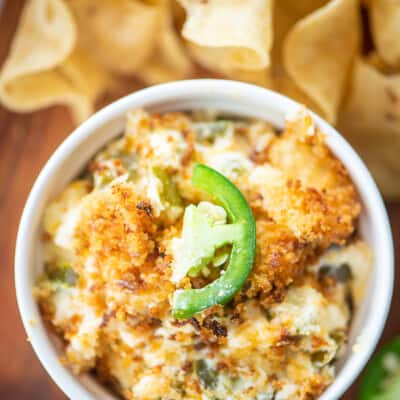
x=206 y=56
x=282 y=83
x=42 y=68
x=261 y=77
x=45 y=36
x=76 y=83
x=119 y=34
x=169 y=59
x=87 y=78
x=370 y=119
x=285 y=14
x=318 y=52
x=385 y=26
x=238 y=33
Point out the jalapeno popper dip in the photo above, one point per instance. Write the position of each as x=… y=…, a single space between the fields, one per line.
x=206 y=257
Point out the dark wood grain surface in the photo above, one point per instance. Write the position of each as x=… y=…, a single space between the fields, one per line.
x=26 y=142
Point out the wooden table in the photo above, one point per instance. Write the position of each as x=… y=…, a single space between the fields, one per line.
x=26 y=142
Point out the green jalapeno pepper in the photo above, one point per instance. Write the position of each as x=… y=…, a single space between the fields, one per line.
x=240 y=232
x=381 y=380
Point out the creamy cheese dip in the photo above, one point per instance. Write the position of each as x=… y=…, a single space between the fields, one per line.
x=115 y=253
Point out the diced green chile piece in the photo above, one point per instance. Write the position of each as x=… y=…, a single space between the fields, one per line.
x=371 y=387
x=242 y=235
x=341 y=273
x=170 y=192
x=207 y=376
x=210 y=130
x=63 y=274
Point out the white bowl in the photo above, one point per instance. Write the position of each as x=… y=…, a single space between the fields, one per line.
x=233 y=97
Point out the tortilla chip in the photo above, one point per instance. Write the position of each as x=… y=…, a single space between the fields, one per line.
x=45 y=36
x=178 y=13
x=169 y=60
x=87 y=78
x=286 y=13
x=282 y=83
x=385 y=26
x=319 y=50
x=119 y=34
x=206 y=56
x=237 y=33
x=75 y=83
x=261 y=77
x=371 y=121
x=42 y=69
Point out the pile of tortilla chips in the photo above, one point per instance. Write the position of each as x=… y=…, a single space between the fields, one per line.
x=339 y=57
